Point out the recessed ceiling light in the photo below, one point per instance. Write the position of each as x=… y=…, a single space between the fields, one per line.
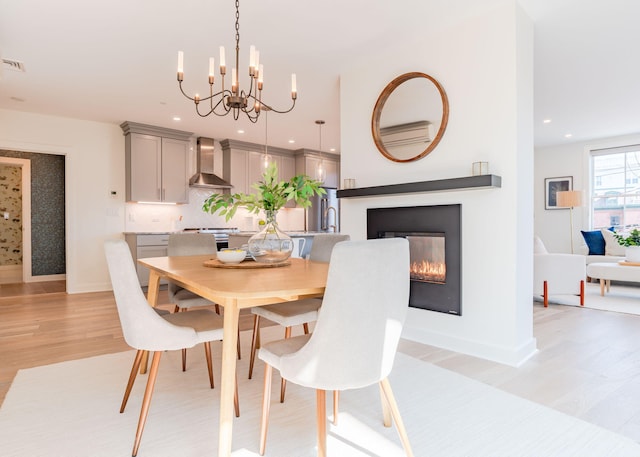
x=176 y=118
x=332 y=149
x=568 y=135
x=292 y=141
x=240 y=131
x=546 y=121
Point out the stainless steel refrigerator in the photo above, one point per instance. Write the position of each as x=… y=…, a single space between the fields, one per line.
x=324 y=213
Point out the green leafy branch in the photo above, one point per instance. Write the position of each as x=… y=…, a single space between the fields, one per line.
x=271 y=195
x=632 y=239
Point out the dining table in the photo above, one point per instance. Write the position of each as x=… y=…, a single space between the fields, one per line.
x=235 y=287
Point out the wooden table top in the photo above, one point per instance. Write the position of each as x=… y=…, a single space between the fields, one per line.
x=249 y=287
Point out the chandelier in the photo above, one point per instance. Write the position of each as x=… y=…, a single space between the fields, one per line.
x=235 y=100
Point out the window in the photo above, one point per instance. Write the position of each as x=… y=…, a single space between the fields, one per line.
x=615 y=200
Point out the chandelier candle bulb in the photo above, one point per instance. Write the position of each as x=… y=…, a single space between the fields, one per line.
x=196 y=98
x=260 y=77
x=223 y=67
x=258 y=60
x=252 y=60
x=180 y=62
x=234 y=81
x=294 y=89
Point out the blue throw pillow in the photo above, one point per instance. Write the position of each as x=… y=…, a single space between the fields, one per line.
x=595 y=241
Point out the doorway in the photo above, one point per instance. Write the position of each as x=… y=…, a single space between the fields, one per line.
x=15 y=239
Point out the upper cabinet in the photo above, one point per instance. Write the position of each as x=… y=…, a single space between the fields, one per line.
x=156 y=163
x=307 y=162
x=243 y=164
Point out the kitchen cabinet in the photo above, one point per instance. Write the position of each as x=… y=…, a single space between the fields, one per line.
x=243 y=164
x=144 y=245
x=156 y=164
x=307 y=163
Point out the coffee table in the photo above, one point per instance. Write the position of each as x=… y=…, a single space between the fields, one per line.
x=616 y=271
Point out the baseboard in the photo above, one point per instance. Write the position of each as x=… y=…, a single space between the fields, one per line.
x=512 y=356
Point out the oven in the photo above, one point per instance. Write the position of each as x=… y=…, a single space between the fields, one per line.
x=221 y=234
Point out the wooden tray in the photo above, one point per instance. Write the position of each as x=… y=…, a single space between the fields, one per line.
x=629 y=264
x=245 y=264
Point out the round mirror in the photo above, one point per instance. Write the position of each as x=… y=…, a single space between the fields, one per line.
x=410 y=117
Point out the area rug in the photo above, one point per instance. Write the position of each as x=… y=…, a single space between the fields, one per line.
x=70 y=409
x=622 y=298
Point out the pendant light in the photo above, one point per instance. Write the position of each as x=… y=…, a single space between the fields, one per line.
x=320 y=170
x=266 y=159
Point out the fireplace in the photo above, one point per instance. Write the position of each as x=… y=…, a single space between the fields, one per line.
x=434 y=238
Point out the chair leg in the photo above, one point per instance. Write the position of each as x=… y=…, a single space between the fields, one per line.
x=283 y=382
x=132 y=378
x=236 y=400
x=144 y=411
x=207 y=354
x=322 y=421
x=184 y=360
x=238 y=345
x=395 y=413
x=545 y=294
x=582 y=293
x=266 y=402
x=217 y=308
x=254 y=342
x=386 y=412
x=305 y=326
x=336 y=402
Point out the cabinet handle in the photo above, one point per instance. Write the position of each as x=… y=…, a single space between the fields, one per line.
x=163 y=192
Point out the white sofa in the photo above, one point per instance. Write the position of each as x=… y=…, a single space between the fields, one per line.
x=557 y=274
x=613 y=252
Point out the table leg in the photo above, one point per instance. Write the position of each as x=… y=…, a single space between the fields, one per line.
x=608 y=285
x=602 y=287
x=228 y=375
x=152 y=297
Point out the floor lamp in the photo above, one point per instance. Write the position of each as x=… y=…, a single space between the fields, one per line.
x=569 y=199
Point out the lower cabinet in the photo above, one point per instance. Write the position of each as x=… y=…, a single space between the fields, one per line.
x=143 y=245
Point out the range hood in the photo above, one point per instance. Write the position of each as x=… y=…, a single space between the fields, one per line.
x=204 y=176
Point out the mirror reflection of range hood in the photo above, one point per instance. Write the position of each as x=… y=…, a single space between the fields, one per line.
x=204 y=176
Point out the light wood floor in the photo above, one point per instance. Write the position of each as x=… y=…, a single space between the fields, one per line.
x=588 y=364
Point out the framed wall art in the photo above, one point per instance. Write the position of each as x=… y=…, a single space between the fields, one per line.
x=554 y=185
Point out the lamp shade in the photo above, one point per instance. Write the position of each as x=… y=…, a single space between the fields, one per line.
x=569 y=198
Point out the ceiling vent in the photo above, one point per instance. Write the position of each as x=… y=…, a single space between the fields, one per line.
x=14 y=65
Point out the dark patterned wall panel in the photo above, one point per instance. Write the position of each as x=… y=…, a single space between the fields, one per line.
x=47 y=212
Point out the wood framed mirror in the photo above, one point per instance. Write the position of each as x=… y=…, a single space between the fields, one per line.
x=410 y=117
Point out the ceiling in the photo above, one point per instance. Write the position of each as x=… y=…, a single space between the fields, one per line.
x=115 y=60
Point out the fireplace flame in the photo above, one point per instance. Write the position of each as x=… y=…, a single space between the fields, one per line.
x=428 y=271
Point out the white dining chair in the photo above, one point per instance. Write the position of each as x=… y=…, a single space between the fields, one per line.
x=367 y=284
x=147 y=331
x=297 y=312
x=191 y=244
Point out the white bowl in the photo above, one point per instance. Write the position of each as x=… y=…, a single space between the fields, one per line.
x=231 y=255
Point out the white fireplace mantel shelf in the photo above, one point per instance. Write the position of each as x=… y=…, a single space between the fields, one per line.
x=439 y=185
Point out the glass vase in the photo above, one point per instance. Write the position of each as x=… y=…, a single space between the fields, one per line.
x=270 y=245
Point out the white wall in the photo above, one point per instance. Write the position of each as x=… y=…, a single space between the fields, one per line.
x=572 y=159
x=485 y=64
x=94 y=166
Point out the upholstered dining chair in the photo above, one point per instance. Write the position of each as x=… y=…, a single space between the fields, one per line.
x=146 y=330
x=190 y=244
x=297 y=312
x=367 y=283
